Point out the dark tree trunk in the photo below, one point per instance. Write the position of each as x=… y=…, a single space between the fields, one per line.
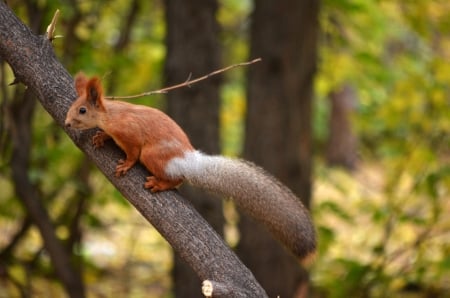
x=278 y=133
x=342 y=142
x=193 y=48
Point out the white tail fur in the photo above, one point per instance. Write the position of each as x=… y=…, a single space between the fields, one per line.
x=255 y=192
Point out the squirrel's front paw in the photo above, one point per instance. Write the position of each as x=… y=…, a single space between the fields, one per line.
x=122 y=167
x=98 y=140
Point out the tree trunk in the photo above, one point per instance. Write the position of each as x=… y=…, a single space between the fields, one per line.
x=342 y=142
x=278 y=132
x=193 y=48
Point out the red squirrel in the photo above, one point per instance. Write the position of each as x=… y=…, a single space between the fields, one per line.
x=151 y=137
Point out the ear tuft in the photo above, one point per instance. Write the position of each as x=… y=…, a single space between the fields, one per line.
x=94 y=92
x=80 y=83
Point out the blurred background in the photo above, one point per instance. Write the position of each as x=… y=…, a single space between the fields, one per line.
x=349 y=108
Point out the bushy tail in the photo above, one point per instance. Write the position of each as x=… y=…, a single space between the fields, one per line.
x=255 y=192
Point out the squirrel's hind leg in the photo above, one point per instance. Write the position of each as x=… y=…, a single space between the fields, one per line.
x=155 y=158
x=156 y=184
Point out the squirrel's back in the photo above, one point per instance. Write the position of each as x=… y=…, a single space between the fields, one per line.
x=143 y=123
x=255 y=192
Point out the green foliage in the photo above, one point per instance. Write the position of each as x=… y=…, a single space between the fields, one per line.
x=393 y=237
x=233 y=18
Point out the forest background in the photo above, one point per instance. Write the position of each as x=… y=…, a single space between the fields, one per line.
x=380 y=141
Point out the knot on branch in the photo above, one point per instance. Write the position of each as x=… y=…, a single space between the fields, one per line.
x=212 y=288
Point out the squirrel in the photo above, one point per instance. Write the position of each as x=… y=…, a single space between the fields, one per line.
x=151 y=137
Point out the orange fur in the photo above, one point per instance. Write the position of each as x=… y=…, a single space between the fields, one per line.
x=143 y=133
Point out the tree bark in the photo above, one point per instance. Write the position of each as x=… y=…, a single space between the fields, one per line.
x=278 y=132
x=34 y=64
x=193 y=48
x=342 y=142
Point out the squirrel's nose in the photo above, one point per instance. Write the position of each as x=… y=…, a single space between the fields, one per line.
x=67 y=124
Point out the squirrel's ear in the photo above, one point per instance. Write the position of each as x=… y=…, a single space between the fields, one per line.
x=94 y=92
x=80 y=83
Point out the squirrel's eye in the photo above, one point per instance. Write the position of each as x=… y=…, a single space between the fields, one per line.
x=82 y=110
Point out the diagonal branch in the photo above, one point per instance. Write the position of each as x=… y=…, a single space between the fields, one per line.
x=35 y=65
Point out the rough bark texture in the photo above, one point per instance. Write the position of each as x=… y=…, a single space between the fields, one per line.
x=278 y=131
x=193 y=47
x=32 y=59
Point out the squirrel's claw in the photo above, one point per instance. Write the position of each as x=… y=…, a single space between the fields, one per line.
x=155 y=184
x=152 y=184
x=122 y=167
x=98 y=140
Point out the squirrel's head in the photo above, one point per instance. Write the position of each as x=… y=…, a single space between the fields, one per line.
x=86 y=110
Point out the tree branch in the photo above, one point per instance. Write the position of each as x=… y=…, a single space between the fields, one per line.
x=188 y=81
x=35 y=65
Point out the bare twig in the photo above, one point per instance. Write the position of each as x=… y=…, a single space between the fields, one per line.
x=51 y=28
x=187 y=83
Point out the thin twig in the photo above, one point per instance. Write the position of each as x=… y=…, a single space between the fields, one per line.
x=51 y=28
x=187 y=83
